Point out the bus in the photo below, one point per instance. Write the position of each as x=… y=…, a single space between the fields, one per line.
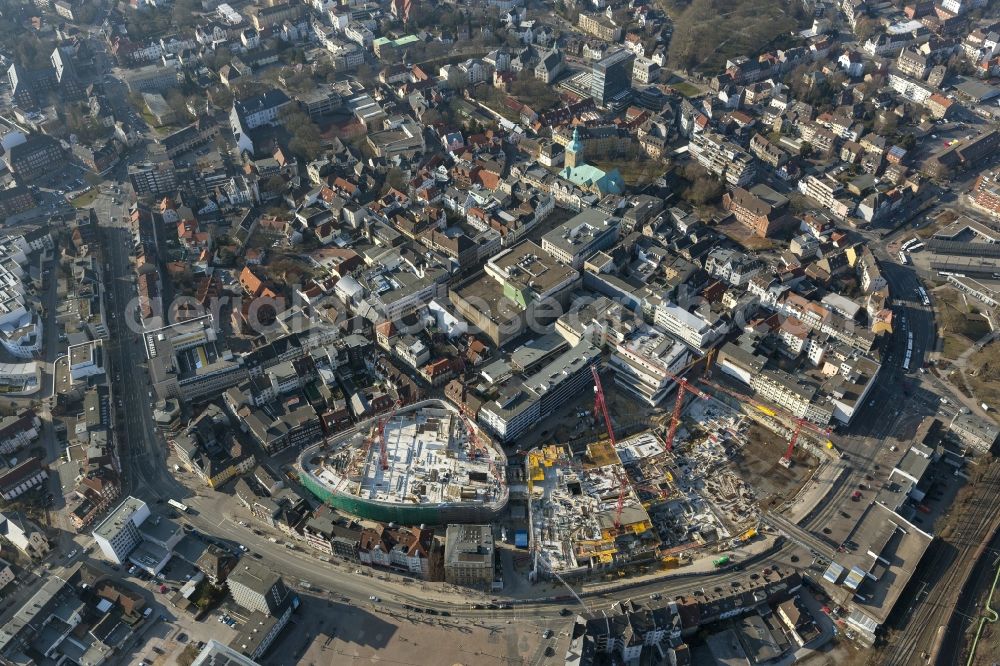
x=914 y=248
x=177 y=505
x=907 y=244
x=902 y=258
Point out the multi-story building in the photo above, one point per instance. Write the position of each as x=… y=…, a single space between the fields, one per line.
x=519 y=407
x=760 y=208
x=645 y=363
x=767 y=152
x=986 y=192
x=823 y=190
x=188 y=360
x=18 y=431
x=723 y=158
x=581 y=236
x=34 y=158
x=154 y=178
x=975 y=432
x=611 y=78
x=20 y=477
x=257 y=587
x=151 y=79
x=469 y=556
x=14 y=200
x=699 y=329
x=118 y=534
x=600 y=26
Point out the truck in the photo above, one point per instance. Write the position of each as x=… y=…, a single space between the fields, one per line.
x=721 y=562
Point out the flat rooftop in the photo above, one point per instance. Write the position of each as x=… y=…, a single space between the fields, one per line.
x=116 y=520
x=888 y=550
x=529 y=266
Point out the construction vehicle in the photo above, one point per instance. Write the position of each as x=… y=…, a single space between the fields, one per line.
x=720 y=562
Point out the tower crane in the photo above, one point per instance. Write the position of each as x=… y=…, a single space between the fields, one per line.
x=684 y=386
x=601 y=407
x=800 y=423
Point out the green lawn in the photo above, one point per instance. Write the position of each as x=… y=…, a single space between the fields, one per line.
x=85 y=199
x=686 y=89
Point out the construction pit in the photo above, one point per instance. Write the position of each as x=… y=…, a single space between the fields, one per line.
x=705 y=493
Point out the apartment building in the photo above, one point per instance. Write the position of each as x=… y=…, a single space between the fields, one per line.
x=17 y=431
x=645 y=362
x=767 y=152
x=723 y=158
x=600 y=26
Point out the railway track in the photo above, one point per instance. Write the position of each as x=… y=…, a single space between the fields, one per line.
x=936 y=595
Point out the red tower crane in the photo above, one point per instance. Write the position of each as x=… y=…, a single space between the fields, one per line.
x=800 y=423
x=601 y=407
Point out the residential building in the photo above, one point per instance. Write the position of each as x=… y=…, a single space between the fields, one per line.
x=600 y=26
x=723 y=158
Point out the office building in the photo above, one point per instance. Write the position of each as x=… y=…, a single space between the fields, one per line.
x=611 y=79
x=118 y=534
x=469 y=556
x=523 y=402
x=581 y=236
x=256 y=587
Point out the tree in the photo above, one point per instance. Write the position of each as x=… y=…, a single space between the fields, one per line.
x=274 y=185
x=306 y=141
x=865 y=28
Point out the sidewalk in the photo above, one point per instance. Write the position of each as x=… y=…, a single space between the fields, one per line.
x=815 y=490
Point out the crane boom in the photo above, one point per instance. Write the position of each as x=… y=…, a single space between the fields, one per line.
x=600 y=406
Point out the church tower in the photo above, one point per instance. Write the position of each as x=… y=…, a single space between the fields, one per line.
x=574 y=151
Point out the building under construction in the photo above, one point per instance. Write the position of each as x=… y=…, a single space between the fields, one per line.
x=584 y=513
x=425 y=464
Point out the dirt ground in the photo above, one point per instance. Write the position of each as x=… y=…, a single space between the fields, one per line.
x=758 y=461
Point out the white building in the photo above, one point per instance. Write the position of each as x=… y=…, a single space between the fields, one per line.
x=644 y=363
x=118 y=534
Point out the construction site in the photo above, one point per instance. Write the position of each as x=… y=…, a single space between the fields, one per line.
x=427 y=463
x=698 y=482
